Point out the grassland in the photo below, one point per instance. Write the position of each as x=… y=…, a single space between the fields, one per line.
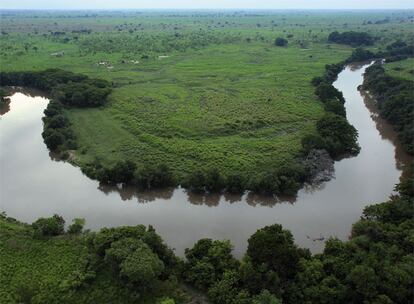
x=401 y=69
x=193 y=90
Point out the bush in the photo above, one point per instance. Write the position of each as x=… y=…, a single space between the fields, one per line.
x=51 y=226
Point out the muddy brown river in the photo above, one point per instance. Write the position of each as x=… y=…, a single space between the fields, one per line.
x=34 y=185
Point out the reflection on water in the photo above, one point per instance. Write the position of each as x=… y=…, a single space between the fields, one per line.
x=32 y=185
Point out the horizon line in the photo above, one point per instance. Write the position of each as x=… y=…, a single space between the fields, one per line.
x=206 y=8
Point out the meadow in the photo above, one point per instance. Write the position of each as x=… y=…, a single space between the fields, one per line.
x=193 y=90
x=401 y=69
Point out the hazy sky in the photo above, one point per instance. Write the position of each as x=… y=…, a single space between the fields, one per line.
x=179 y=4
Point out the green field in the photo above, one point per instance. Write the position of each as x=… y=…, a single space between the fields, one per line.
x=401 y=69
x=193 y=90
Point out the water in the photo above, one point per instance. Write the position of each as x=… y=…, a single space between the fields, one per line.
x=32 y=185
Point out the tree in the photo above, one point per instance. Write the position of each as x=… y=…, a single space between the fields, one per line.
x=273 y=247
x=134 y=260
x=339 y=135
x=142 y=267
x=281 y=41
x=58 y=121
x=53 y=138
x=207 y=261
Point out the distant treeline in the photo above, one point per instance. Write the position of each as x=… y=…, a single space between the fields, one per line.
x=395 y=100
x=374 y=266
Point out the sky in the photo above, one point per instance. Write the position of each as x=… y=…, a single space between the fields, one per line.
x=206 y=4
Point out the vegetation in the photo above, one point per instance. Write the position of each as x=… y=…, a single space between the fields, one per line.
x=206 y=100
x=67 y=89
x=281 y=41
x=401 y=69
x=187 y=98
x=133 y=265
x=3 y=99
x=351 y=38
x=335 y=134
x=119 y=265
x=71 y=89
x=395 y=101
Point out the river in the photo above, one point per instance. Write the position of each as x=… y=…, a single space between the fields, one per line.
x=33 y=185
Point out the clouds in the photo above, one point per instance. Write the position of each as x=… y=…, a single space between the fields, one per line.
x=181 y=4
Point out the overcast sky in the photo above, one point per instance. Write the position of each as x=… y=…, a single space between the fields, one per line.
x=193 y=4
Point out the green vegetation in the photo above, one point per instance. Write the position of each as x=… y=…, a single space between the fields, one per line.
x=133 y=265
x=191 y=93
x=120 y=265
x=66 y=88
x=401 y=69
x=351 y=38
x=395 y=101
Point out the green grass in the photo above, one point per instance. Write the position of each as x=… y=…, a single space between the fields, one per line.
x=225 y=97
x=401 y=69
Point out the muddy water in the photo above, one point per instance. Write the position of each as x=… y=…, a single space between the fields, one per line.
x=33 y=185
